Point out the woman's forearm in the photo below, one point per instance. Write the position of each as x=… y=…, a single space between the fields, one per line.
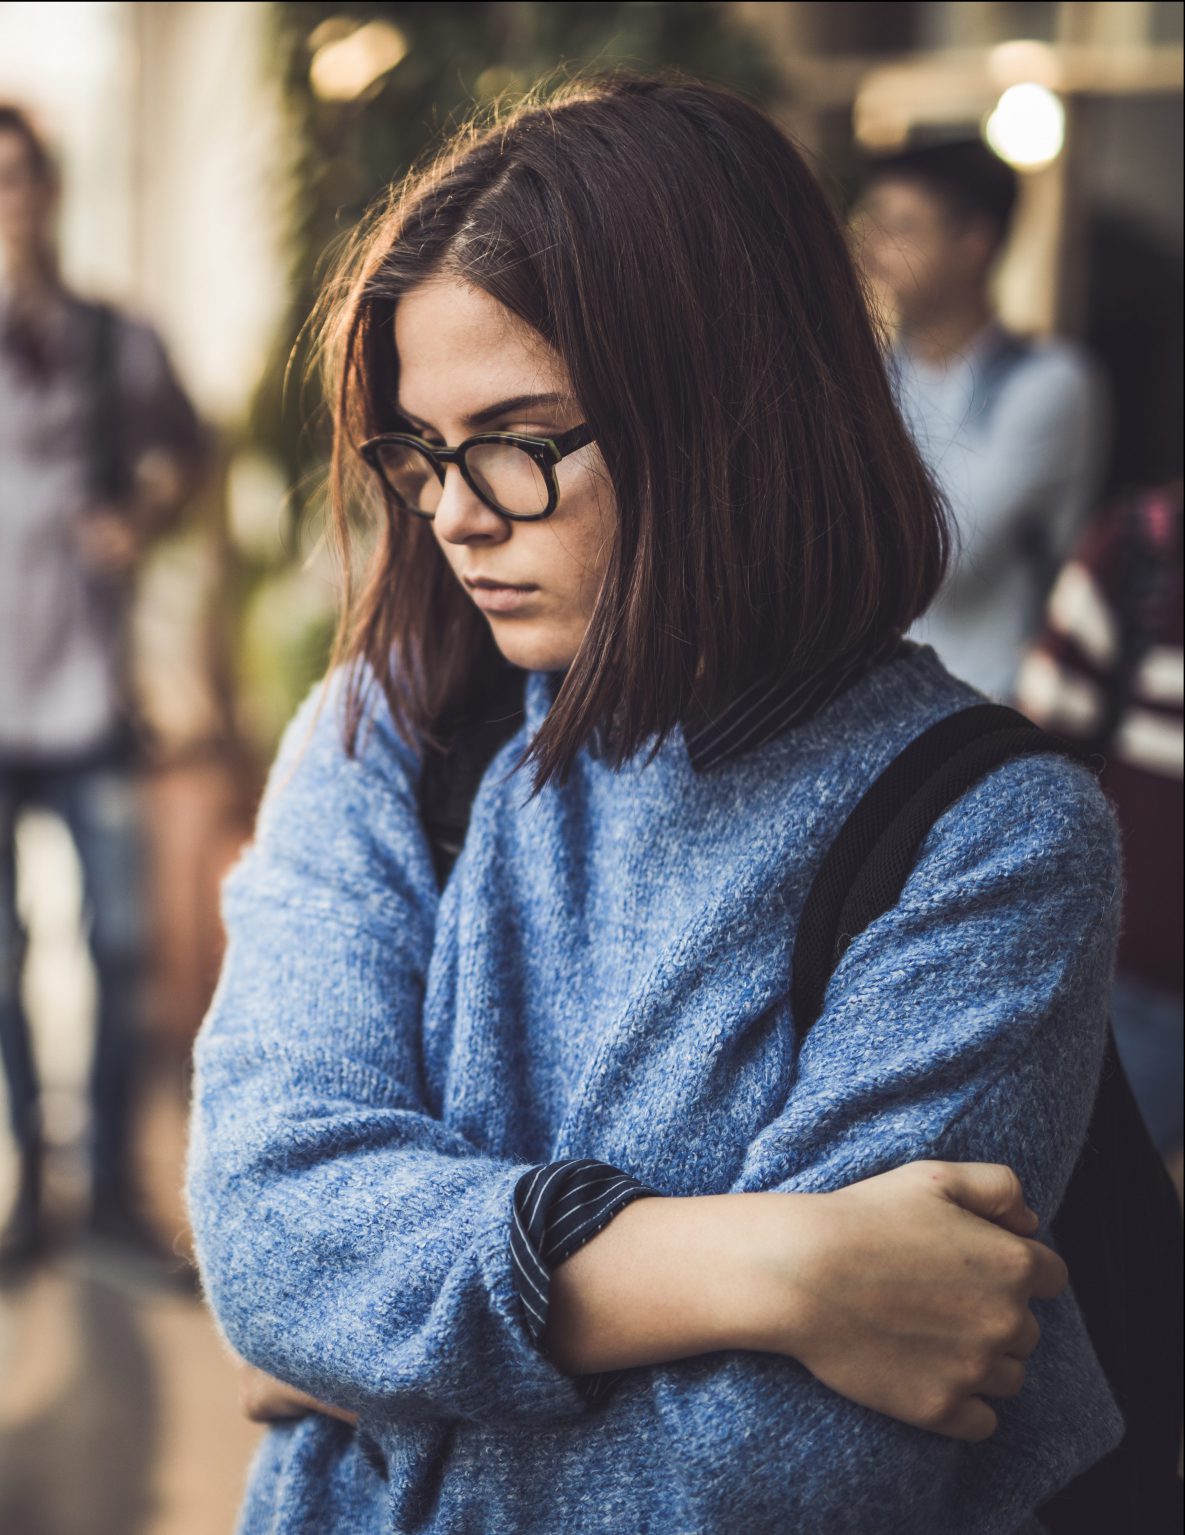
x=666 y=1279
x=907 y=1292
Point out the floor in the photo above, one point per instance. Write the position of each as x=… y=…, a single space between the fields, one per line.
x=118 y=1401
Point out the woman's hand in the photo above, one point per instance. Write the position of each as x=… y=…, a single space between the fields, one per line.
x=265 y=1400
x=908 y=1292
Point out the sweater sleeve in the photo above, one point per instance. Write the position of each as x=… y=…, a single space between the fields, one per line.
x=558 y=1209
x=350 y=1243
x=965 y=1024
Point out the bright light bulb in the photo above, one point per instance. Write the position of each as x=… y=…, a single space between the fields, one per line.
x=1027 y=127
x=344 y=67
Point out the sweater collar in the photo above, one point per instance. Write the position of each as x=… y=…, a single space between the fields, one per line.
x=757 y=714
x=766 y=708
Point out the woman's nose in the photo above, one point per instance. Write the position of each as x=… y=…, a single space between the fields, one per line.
x=463 y=517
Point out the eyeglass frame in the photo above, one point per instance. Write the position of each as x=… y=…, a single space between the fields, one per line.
x=546 y=453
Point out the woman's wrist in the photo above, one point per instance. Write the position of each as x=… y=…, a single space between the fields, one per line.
x=671 y=1278
x=779 y=1239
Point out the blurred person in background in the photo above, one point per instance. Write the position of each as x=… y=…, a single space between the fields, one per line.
x=99 y=447
x=1013 y=430
x=1108 y=670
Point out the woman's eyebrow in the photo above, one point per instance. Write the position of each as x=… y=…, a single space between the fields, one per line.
x=516 y=405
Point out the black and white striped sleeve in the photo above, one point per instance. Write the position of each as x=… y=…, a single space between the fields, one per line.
x=557 y=1209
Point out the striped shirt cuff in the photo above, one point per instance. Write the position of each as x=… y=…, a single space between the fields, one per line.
x=557 y=1209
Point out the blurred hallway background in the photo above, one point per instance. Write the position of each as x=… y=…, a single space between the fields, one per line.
x=211 y=154
x=118 y=1408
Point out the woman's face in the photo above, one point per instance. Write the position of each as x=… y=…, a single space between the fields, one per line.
x=467 y=365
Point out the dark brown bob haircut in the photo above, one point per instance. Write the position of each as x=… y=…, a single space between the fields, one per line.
x=774 y=518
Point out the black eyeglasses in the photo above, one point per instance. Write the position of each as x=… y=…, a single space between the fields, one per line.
x=513 y=475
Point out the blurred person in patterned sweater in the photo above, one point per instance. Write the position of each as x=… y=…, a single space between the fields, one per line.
x=1107 y=670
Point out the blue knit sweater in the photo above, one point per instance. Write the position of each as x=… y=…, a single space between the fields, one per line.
x=606 y=975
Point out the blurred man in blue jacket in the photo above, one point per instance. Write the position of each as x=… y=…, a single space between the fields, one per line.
x=1015 y=431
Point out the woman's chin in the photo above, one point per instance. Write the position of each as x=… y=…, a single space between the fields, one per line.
x=534 y=649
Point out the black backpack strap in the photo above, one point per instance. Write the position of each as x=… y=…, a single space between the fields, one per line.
x=1119 y=1224
x=866 y=867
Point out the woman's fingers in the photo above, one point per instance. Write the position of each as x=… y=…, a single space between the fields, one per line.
x=265 y=1400
x=970 y=1416
x=1049 y=1274
x=262 y=1410
x=972 y=1419
x=1005 y=1378
x=1028 y=1335
x=987 y=1189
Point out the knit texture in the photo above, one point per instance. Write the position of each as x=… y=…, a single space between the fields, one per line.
x=607 y=975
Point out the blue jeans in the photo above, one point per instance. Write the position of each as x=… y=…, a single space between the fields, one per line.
x=96 y=800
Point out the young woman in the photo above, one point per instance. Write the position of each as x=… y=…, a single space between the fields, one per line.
x=459 y=1159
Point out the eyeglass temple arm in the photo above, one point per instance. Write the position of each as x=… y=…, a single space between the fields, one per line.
x=569 y=442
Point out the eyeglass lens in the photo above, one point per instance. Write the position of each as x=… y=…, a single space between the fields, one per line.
x=506 y=474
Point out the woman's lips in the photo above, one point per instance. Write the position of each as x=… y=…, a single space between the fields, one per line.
x=492 y=598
